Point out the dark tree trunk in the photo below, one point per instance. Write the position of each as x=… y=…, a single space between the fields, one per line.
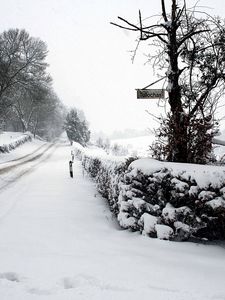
x=178 y=142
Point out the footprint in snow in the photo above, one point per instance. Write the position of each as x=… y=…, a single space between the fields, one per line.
x=37 y=291
x=84 y=280
x=14 y=277
x=11 y=276
x=70 y=283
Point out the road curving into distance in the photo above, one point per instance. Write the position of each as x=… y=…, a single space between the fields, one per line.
x=12 y=170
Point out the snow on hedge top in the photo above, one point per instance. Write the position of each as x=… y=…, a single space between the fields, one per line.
x=10 y=137
x=204 y=175
x=99 y=153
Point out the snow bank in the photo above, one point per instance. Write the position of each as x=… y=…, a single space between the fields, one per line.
x=161 y=199
x=11 y=140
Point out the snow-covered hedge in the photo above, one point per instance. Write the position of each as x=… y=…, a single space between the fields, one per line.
x=164 y=200
x=5 y=148
x=188 y=200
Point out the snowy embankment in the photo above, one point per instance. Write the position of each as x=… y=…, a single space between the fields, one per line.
x=28 y=153
x=11 y=140
x=15 y=145
x=159 y=199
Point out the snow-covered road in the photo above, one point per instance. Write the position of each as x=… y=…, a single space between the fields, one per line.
x=12 y=170
x=58 y=241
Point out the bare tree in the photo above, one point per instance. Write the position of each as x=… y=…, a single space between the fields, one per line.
x=22 y=63
x=27 y=101
x=190 y=45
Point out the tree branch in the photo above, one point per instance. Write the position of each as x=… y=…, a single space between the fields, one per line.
x=191 y=34
x=203 y=96
x=164 y=11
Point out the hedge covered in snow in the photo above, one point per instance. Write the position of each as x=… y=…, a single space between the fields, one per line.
x=5 y=148
x=163 y=200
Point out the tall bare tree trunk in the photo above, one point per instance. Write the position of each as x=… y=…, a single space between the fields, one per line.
x=178 y=143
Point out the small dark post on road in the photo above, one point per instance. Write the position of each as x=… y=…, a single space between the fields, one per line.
x=71 y=168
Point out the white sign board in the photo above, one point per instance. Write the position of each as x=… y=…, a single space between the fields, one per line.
x=150 y=94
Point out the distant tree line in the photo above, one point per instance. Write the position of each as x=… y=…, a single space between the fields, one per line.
x=27 y=99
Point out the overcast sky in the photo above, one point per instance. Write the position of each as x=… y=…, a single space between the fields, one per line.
x=89 y=59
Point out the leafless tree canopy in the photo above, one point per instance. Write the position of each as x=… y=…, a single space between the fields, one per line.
x=27 y=100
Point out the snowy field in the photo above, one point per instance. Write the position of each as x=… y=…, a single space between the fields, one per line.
x=59 y=241
x=136 y=146
x=139 y=146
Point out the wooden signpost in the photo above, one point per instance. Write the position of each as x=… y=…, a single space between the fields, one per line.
x=150 y=93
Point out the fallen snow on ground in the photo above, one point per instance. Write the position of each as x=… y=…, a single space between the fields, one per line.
x=23 y=150
x=138 y=146
x=219 y=152
x=59 y=241
x=221 y=136
x=9 y=137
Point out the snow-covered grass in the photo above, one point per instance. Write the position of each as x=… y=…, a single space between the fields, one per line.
x=59 y=242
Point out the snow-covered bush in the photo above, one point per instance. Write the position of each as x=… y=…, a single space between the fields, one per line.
x=163 y=200
x=190 y=201
x=5 y=148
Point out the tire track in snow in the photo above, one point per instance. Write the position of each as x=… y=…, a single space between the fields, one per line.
x=23 y=157
x=23 y=162
x=27 y=164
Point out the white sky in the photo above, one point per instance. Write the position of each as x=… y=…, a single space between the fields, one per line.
x=89 y=59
